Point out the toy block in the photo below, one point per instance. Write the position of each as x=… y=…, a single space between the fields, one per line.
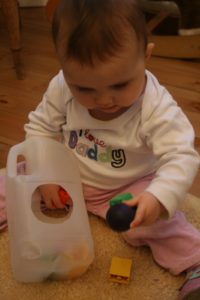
x=120 y=270
x=120 y=198
x=64 y=196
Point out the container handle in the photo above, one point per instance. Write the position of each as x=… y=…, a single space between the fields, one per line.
x=14 y=152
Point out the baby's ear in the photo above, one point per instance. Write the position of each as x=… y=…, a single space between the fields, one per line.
x=149 y=50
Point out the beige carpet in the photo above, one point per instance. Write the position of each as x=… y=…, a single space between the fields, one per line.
x=148 y=281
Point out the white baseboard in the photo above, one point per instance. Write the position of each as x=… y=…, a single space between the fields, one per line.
x=32 y=2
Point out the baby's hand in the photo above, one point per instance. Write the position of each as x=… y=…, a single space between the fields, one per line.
x=149 y=209
x=51 y=196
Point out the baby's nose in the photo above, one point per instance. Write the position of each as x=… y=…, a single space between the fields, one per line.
x=104 y=100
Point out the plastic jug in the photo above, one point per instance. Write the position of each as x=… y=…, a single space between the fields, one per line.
x=44 y=246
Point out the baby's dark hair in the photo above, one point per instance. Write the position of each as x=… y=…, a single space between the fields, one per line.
x=96 y=29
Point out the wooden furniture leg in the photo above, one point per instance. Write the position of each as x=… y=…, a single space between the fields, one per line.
x=10 y=11
x=175 y=46
x=50 y=8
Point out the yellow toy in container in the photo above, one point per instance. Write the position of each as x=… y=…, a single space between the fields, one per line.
x=46 y=245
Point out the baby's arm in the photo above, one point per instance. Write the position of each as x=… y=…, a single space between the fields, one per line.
x=167 y=132
x=50 y=115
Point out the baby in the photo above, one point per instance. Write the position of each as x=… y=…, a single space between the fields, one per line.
x=125 y=129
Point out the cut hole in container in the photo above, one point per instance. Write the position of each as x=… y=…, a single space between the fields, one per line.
x=41 y=210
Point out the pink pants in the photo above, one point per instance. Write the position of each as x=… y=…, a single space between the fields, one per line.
x=3 y=219
x=175 y=243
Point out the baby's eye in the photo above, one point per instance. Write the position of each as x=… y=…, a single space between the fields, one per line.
x=120 y=85
x=84 y=89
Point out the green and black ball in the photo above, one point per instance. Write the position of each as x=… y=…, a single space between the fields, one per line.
x=119 y=216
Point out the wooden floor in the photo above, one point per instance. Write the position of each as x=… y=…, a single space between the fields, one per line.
x=17 y=98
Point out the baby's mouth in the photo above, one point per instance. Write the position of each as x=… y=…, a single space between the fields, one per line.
x=112 y=108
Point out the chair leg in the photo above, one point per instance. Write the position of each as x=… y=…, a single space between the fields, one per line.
x=154 y=22
x=190 y=16
x=10 y=11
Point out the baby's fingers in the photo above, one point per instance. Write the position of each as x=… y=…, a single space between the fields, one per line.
x=139 y=217
x=132 y=202
x=49 y=203
x=53 y=201
x=56 y=201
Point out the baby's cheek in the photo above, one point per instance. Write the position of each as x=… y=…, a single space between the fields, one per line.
x=86 y=101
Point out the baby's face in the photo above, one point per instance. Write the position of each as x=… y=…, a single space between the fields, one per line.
x=109 y=88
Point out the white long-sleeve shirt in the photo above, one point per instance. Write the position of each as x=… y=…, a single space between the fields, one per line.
x=153 y=135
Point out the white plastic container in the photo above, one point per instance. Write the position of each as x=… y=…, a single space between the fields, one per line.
x=42 y=246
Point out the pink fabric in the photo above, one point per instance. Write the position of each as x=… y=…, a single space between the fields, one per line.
x=175 y=243
x=97 y=200
x=3 y=218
